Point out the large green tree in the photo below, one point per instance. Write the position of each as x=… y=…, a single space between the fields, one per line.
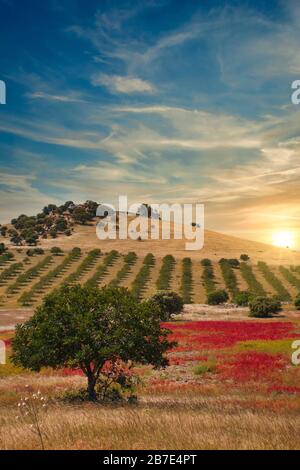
x=83 y=327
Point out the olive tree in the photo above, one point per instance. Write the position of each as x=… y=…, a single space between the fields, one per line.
x=83 y=327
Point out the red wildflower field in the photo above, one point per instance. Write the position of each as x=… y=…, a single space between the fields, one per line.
x=245 y=354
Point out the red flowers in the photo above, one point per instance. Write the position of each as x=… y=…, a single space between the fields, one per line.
x=252 y=366
x=202 y=335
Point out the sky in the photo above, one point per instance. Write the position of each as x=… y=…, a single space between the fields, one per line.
x=160 y=100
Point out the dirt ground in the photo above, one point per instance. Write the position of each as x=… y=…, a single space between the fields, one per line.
x=192 y=312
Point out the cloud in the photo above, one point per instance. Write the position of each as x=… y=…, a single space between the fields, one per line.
x=40 y=95
x=119 y=84
x=18 y=196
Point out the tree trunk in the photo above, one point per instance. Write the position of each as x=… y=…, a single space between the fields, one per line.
x=91 y=387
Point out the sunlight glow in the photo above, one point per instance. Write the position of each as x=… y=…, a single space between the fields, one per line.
x=283 y=239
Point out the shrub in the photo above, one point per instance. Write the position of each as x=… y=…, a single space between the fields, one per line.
x=262 y=307
x=39 y=251
x=206 y=262
x=30 y=252
x=244 y=257
x=170 y=303
x=242 y=298
x=217 y=297
x=297 y=302
x=56 y=251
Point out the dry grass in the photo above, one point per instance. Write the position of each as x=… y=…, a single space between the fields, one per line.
x=167 y=423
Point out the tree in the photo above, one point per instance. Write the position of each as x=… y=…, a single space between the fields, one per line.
x=262 y=307
x=242 y=298
x=80 y=215
x=53 y=232
x=217 y=297
x=168 y=302
x=84 y=327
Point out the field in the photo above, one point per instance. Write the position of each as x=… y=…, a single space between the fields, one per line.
x=25 y=280
x=230 y=384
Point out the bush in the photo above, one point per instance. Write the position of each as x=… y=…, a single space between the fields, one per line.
x=217 y=297
x=297 y=302
x=170 y=303
x=262 y=307
x=241 y=299
x=244 y=257
x=39 y=251
x=206 y=262
x=56 y=251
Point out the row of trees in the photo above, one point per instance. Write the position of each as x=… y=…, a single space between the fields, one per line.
x=186 y=281
x=102 y=269
x=29 y=275
x=165 y=274
x=85 y=266
x=143 y=276
x=45 y=281
x=129 y=261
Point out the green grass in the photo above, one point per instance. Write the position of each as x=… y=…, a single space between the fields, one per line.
x=205 y=367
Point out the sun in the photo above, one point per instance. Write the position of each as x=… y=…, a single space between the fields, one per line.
x=283 y=239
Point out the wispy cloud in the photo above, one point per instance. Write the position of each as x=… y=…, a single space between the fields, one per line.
x=119 y=84
x=40 y=95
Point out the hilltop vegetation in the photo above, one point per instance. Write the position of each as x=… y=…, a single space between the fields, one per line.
x=50 y=223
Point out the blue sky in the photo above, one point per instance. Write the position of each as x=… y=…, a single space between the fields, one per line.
x=161 y=100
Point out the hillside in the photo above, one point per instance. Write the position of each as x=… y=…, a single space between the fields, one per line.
x=216 y=246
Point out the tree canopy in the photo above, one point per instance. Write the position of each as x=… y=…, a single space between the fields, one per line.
x=83 y=327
